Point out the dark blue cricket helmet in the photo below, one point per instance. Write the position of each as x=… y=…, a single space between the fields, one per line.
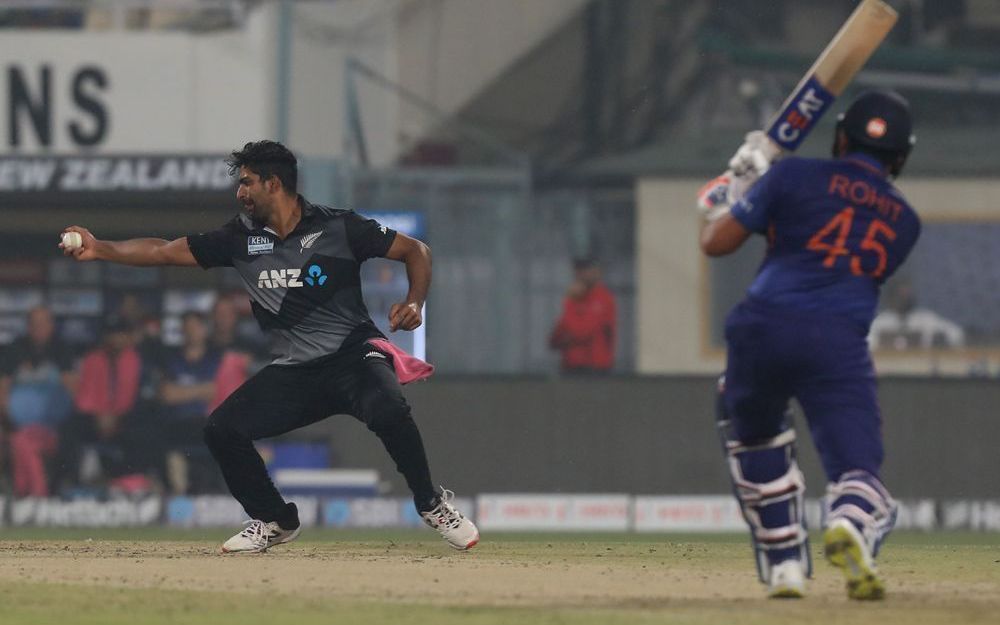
x=879 y=120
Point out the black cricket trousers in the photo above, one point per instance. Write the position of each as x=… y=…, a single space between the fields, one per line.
x=359 y=381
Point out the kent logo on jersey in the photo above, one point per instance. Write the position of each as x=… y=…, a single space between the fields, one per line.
x=257 y=244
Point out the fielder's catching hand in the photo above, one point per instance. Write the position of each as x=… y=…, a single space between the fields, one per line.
x=87 y=248
x=405 y=316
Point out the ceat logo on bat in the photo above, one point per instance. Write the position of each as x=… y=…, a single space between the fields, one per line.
x=876 y=128
x=798 y=117
x=801 y=115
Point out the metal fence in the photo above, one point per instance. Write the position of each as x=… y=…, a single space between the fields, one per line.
x=502 y=256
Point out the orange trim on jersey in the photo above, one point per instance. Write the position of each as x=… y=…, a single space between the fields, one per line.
x=875 y=170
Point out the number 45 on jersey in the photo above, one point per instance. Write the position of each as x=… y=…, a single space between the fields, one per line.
x=831 y=240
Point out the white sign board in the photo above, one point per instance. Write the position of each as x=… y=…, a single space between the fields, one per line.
x=554 y=512
x=133 y=92
x=688 y=514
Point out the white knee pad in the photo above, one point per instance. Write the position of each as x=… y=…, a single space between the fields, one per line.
x=782 y=497
x=861 y=498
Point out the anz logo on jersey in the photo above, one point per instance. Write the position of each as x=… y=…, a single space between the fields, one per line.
x=291 y=278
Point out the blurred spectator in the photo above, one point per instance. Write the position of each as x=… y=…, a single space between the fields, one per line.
x=146 y=328
x=585 y=333
x=98 y=438
x=189 y=371
x=187 y=392
x=36 y=379
x=239 y=355
x=904 y=325
x=146 y=331
x=227 y=333
x=225 y=322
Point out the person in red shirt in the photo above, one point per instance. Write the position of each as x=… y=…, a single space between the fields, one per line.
x=585 y=333
x=103 y=426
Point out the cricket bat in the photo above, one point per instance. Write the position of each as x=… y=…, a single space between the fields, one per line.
x=833 y=70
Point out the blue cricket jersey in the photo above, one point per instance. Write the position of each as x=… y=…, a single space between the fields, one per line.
x=837 y=229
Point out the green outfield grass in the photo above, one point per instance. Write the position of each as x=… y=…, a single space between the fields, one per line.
x=165 y=576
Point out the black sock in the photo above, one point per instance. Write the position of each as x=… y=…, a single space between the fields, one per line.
x=289 y=519
x=426 y=505
x=406 y=447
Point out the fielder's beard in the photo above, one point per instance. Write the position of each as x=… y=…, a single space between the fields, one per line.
x=254 y=215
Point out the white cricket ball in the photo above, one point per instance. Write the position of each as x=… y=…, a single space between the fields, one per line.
x=71 y=240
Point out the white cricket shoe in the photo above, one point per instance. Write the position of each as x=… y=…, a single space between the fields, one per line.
x=259 y=536
x=457 y=531
x=846 y=549
x=788 y=581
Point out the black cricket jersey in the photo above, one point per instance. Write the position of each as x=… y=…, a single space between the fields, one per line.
x=305 y=291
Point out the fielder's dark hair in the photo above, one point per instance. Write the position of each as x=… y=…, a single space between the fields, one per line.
x=267 y=158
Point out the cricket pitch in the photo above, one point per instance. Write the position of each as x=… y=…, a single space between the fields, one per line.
x=393 y=577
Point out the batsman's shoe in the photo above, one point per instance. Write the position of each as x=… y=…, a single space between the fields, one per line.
x=259 y=536
x=846 y=549
x=457 y=531
x=788 y=581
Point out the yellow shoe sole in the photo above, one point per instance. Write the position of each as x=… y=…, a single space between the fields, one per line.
x=843 y=551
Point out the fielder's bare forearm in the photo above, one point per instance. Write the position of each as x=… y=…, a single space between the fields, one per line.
x=146 y=252
x=138 y=252
x=418 y=272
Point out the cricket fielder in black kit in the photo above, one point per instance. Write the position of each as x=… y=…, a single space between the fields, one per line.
x=300 y=264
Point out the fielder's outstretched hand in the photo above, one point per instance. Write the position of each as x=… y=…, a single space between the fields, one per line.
x=87 y=249
x=405 y=316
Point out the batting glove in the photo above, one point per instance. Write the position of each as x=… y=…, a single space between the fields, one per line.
x=713 y=198
x=754 y=157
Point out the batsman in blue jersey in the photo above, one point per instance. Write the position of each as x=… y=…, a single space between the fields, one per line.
x=837 y=229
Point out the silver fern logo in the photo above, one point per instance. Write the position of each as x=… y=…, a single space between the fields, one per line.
x=308 y=240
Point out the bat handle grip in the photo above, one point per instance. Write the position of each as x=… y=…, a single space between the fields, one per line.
x=771 y=149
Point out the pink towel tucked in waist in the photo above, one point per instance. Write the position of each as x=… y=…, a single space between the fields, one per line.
x=408 y=368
